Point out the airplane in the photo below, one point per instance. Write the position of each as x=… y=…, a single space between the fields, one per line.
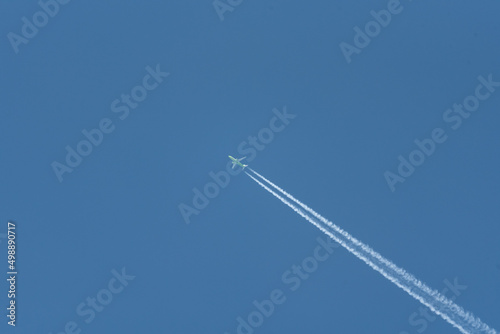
x=237 y=162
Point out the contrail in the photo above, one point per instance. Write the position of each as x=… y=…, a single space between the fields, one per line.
x=464 y=321
x=346 y=235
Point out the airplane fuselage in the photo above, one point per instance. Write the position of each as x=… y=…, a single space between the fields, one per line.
x=237 y=162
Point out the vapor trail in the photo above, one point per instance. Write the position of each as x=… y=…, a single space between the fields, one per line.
x=439 y=304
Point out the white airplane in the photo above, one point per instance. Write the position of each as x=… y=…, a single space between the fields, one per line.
x=237 y=162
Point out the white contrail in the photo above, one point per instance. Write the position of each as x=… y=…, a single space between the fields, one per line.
x=439 y=304
x=344 y=233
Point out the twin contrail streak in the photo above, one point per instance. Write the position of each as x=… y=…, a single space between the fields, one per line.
x=466 y=322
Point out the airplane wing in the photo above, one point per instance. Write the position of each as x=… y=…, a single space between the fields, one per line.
x=241 y=158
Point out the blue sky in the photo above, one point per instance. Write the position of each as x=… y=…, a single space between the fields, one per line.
x=112 y=228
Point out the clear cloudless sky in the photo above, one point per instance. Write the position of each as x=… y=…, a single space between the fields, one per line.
x=119 y=208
